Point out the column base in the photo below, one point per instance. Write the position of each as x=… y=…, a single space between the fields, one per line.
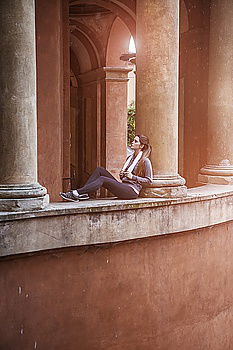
x=23 y=197
x=221 y=174
x=165 y=186
x=215 y=179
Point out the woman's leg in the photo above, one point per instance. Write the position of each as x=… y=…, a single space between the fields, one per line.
x=92 y=185
x=117 y=188
x=100 y=171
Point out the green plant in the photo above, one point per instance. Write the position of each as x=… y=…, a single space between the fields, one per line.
x=131 y=123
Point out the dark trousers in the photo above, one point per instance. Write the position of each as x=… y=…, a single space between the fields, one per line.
x=102 y=178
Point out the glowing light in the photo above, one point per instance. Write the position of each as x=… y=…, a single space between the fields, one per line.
x=132 y=47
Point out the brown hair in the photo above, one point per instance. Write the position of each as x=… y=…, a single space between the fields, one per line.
x=146 y=150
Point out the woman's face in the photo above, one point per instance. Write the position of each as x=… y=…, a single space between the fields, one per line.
x=136 y=144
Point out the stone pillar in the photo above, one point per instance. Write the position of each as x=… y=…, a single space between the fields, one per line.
x=157 y=91
x=116 y=79
x=19 y=189
x=108 y=85
x=50 y=94
x=219 y=168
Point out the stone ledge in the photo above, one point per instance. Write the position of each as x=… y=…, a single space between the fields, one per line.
x=104 y=221
x=201 y=193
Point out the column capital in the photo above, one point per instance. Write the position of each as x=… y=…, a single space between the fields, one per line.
x=106 y=73
x=117 y=73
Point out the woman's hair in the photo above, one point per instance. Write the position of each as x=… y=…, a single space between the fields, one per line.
x=146 y=150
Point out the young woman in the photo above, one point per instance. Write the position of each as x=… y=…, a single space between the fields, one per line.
x=136 y=172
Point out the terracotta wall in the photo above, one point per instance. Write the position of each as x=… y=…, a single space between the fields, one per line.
x=87 y=123
x=65 y=71
x=171 y=292
x=49 y=94
x=194 y=53
x=195 y=104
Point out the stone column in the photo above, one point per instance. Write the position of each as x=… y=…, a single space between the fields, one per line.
x=116 y=79
x=157 y=91
x=219 y=168
x=19 y=189
x=110 y=84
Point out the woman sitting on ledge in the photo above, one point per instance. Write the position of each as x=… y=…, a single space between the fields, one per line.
x=136 y=172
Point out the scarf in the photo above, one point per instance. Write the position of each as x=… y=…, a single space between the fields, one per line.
x=132 y=166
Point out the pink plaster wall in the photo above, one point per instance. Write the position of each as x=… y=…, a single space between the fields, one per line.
x=166 y=293
x=49 y=94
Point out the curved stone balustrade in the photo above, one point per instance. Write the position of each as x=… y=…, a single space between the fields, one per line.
x=63 y=225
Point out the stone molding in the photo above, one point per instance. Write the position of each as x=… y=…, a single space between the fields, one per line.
x=167 y=180
x=165 y=186
x=164 y=192
x=221 y=174
x=23 y=197
x=22 y=191
x=24 y=204
x=119 y=74
x=225 y=170
x=215 y=179
x=62 y=225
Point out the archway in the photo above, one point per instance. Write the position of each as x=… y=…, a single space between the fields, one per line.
x=98 y=118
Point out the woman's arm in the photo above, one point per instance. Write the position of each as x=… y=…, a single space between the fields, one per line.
x=148 y=174
x=121 y=174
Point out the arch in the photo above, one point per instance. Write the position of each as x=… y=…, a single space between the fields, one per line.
x=73 y=79
x=93 y=39
x=74 y=64
x=124 y=12
x=83 y=60
x=89 y=46
x=118 y=43
x=127 y=5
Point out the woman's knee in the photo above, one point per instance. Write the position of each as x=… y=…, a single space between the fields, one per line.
x=100 y=169
x=104 y=179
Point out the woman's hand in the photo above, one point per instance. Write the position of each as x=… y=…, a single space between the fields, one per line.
x=128 y=174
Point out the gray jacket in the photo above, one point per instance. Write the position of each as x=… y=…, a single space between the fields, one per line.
x=137 y=182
